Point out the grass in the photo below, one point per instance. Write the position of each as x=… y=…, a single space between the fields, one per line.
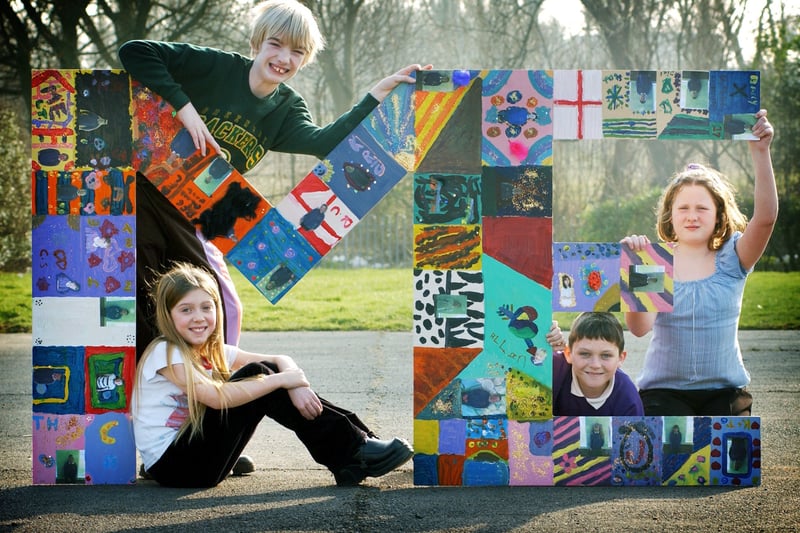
x=333 y=300
x=15 y=302
x=381 y=300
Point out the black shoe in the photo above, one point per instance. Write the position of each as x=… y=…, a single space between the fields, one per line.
x=244 y=465
x=374 y=458
x=144 y=474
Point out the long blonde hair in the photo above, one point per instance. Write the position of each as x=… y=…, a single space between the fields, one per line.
x=729 y=218
x=168 y=291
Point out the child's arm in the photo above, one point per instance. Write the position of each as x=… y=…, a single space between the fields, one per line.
x=152 y=63
x=283 y=362
x=387 y=84
x=299 y=134
x=303 y=397
x=754 y=240
x=236 y=392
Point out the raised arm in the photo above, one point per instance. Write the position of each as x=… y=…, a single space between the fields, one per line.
x=765 y=196
x=387 y=84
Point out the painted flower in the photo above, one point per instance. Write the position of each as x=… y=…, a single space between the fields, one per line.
x=567 y=463
x=595 y=280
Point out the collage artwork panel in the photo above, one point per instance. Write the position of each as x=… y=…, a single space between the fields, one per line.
x=478 y=146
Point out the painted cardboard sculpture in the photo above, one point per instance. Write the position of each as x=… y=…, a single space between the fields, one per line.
x=487 y=275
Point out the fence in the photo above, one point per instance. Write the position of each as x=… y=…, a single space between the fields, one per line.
x=381 y=241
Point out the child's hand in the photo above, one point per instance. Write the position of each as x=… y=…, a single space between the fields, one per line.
x=306 y=402
x=293 y=378
x=555 y=338
x=194 y=124
x=637 y=243
x=387 y=84
x=763 y=130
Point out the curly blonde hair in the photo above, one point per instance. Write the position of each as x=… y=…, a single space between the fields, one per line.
x=729 y=218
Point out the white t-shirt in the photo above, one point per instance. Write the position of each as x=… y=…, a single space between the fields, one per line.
x=159 y=406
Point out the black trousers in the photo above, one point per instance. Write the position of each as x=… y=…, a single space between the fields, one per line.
x=716 y=402
x=203 y=461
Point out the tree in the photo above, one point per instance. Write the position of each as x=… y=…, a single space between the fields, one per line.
x=15 y=190
x=87 y=33
x=651 y=34
x=778 y=48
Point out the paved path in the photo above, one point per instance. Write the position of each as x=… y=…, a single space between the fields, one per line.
x=370 y=373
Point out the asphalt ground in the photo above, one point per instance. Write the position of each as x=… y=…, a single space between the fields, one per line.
x=371 y=374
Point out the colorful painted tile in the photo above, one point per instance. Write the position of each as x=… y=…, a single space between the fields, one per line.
x=453 y=436
x=425 y=470
x=735 y=451
x=735 y=96
x=110 y=450
x=273 y=256
x=448 y=129
x=391 y=124
x=517 y=118
x=360 y=172
x=630 y=110
x=58 y=379
x=53 y=119
x=455 y=247
x=154 y=127
x=685 y=453
x=524 y=244
x=516 y=323
x=577 y=104
x=517 y=191
x=586 y=276
x=636 y=450
x=83 y=192
x=436 y=387
x=55 y=439
x=104 y=136
x=449 y=310
x=317 y=213
x=109 y=378
x=486 y=469
x=527 y=397
x=83 y=256
x=84 y=321
x=529 y=453
x=646 y=278
x=447 y=199
x=574 y=462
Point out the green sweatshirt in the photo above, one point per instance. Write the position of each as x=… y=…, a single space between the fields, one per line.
x=245 y=126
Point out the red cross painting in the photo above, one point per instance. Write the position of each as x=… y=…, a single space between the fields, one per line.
x=577 y=104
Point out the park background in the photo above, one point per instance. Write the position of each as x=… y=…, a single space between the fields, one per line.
x=603 y=189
